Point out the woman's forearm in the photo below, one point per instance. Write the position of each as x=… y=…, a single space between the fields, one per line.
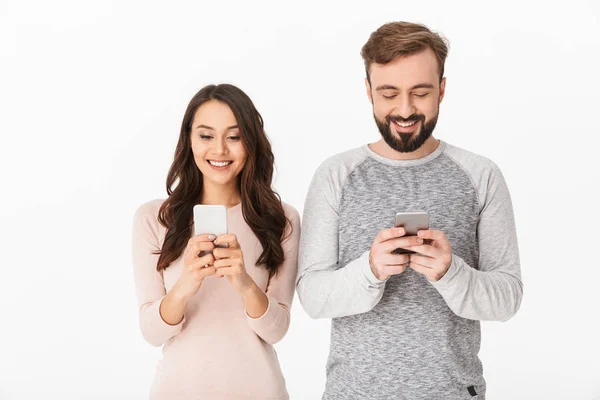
x=255 y=301
x=172 y=308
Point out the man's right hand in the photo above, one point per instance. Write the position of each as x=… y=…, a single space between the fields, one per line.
x=385 y=264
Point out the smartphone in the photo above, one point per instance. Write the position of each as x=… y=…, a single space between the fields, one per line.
x=412 y=222
x=210 y=219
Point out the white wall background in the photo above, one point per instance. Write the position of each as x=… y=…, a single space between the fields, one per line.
x=92 y=95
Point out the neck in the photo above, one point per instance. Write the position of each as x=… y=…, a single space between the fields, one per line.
x=227 y=195
x=381 y=147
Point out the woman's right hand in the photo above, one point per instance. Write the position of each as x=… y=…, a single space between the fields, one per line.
x=195 y=268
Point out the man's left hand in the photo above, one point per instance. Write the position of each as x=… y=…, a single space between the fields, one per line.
x=434 y=258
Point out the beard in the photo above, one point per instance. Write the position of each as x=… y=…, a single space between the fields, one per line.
x=406 y=142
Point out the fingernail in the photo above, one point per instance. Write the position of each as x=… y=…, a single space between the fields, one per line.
x=420 y=241
x=211 y=237
x=421 y=233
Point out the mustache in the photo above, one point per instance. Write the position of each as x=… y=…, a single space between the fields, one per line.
x=397 y=118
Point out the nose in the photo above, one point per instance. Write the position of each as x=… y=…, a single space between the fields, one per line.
x=221 y=146
x=405 y=107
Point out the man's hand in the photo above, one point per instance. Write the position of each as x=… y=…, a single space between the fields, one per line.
x=385 y=264
x=433 y=259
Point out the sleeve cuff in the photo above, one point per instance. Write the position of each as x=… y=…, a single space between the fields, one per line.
x=267 y=320
x=365 y=266
x=452 y=271
x=163 y=324
x=154 y=328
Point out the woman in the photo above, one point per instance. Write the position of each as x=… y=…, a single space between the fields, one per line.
x=217 y=332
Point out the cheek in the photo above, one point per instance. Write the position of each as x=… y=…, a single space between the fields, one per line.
x=429 y=108
x=197 y=148
x=240 y=153
x=381 y=111
x=199 y=153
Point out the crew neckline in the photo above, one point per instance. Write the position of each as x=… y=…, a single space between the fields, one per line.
x=234 y=208
x=406 y=163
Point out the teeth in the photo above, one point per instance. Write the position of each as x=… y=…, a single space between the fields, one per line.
x=220 y=164
x=405 y=124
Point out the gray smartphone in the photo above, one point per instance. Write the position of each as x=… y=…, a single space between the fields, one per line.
x=412 y=222
x=210 y=219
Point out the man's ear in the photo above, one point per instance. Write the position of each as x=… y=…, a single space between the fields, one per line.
x=442 y=89
x=368 y=87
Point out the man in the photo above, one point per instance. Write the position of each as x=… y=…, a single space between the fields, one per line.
x=406 y=326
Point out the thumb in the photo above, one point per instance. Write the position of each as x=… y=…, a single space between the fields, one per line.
x=207 y=271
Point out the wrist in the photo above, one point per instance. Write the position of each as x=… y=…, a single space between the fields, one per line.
x=250 y=289
x=178 y=296
x=376 y=274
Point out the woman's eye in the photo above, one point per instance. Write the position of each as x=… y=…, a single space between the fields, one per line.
x=205 y=137
x=234 y=138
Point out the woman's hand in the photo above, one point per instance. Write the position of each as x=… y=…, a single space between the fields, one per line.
x=229 y=262
x=195 y=267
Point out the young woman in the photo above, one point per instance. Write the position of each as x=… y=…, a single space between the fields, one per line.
x=218 y=314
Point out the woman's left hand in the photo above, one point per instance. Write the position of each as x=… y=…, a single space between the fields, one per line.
x=229 y=262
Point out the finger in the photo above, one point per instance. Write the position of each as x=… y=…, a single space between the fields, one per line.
x=221 y=252
x=402 y=242
x=203 y=261
x=223 y=263
x=230 y=239
x=432 y=274
x=190 y=249
x=392 y=269
x=204 y=272
x=421 y=269
x=389 y=233
x=428 y=250
x=202 y=248
x=391 y=259
x=201 y=245
x=424 y=261
x=206 y=237
x=438 y=236
x=226 y=271
x=229 y=263
x=195 y=247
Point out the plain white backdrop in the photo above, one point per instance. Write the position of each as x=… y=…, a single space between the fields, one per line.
x=92 y=95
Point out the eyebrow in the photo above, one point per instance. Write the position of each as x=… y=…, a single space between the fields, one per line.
x=212 y=129
x=417 y=86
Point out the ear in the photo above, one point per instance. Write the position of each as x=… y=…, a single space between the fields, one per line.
x=368 y=87
x=442 y=89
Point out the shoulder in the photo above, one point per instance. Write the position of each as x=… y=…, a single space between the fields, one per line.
x=341 y=164
x=332 y=174
x=470 y=161
x=145 y=220
x=291 y=213
x=292 y=230
x=149 y=210
x=484 y=174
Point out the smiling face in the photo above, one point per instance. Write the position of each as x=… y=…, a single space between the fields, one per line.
x=216 y=144
x=406 y=94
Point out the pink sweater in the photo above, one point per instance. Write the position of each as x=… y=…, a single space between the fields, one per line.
x=217 y=351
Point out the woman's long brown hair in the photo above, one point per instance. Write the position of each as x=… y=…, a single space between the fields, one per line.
x=261 y=206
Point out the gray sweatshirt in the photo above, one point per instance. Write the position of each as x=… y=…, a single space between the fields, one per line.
x=407 y=337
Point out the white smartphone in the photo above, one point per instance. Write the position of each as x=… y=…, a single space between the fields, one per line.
x=210 y=219
x=412 y=222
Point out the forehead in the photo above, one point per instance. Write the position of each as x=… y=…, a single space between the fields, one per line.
x=404 y=72
x=214 y=113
